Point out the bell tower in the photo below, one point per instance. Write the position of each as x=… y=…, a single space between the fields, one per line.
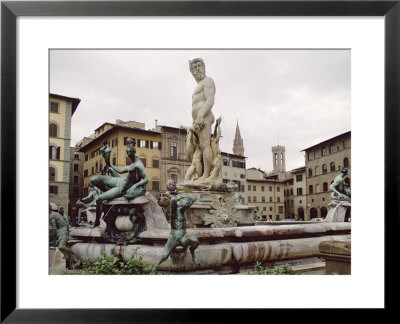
x=238 y=147
x=278 y=159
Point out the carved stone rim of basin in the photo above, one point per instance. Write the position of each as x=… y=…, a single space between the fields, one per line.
x=123 y=201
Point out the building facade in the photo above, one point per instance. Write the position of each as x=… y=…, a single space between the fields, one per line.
x=289 y=199
x=299 y=193
x=324 y=162
x=148 y=149
x=174 y=160
x=267 y=196
x=76 y=180
x=234 y=169
x=61 y=109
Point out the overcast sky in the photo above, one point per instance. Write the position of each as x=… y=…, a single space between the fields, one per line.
x=295 y=98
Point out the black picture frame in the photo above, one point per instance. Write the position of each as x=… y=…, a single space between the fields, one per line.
x=10 y=10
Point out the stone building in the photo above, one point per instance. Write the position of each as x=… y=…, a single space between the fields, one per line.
x=267 y=196
x=323 y=163
x=148 y=149
x=61 y=109
x=174 y=160
x=234 y=169
x=76 y=182
x=289 y=198
x=299 y=193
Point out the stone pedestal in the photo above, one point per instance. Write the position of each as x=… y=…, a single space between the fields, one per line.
x=337 y=255
x=216 y=209
x=339 y=211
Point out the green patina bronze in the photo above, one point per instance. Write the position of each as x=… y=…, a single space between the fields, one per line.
x=340 y=190
x=178 y=239
x=59 y=236
x=131 y=186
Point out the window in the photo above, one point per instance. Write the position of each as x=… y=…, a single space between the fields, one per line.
x=270 y=188
x=299 y=177
x=278 y=199
x=291 y=192
x=263 y=198
x=53 y=190
x=332 y=166
x=54 y=153
x=154 y=145
x=277 y=217
x=54 y=107
x=254 y=188
x=52 y=174
x=174 y=150
x=262 y=188
x=254 y=199
x=324 y=151
x=226 y=162
x=92 y=170
x=324 y=169
x=264 y=208
x=270 y=199
x=344 y=144
x=93 y=154
x=325 y=186
x=53 y=130
x=143 y=143
x=299 y=191
x=309 y=172
x=242 y=176
x=249 y=188
x=155 y=184
x=155 y=163
x=76 y=179
x=310 y=189
x=114 y=142
x=270 y=208
x=310 y=156
x=143 y=159
x=85 y=173
x=346 y=162
x=248 y=199
x=331 y=148
x=76 y=156
x=280 y=209
x=278 y=189
x=97 y=167
x=75 y=191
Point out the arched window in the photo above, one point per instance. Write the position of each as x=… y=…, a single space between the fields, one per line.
x=324 y=169
x=310 y=172
x=324 y=212
x=52 y=174
x=310 y=189
x=313 y=213
x=332 y=166
x=325 y=186
x=54 y=152
x=346 y=162
x=53 y=130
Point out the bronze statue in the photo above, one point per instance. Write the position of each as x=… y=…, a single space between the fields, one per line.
x=131 y=186
x=60 y=226
x=178 y=239
x=340 y=190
